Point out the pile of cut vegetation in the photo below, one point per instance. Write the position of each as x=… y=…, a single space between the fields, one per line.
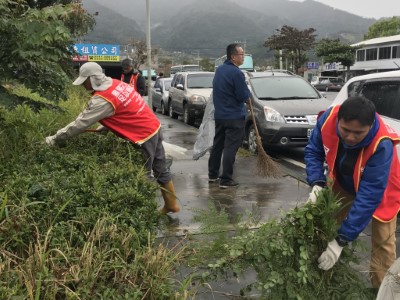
x=283 y=253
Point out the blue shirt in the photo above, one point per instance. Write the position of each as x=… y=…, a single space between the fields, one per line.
x=230 y=92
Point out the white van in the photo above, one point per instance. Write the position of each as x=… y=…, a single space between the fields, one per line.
x=318 y=79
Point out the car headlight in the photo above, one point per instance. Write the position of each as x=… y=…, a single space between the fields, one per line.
x=197 y=99
x=312 y=119
x=271 y=115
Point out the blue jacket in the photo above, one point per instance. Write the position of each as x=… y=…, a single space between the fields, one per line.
x=373 y=182
x=230 y=92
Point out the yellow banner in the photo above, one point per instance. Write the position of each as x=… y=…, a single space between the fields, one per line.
x=103 y=58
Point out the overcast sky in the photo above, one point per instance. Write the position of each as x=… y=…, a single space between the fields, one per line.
x=366 y=8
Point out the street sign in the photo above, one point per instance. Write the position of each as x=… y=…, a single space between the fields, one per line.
x=312 y=65
x=97 y=52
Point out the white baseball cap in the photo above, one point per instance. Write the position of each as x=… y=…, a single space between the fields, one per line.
x=86 y=70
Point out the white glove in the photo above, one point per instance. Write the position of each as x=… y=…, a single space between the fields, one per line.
x=312 y=197
x=50 y=140
x=330 y=256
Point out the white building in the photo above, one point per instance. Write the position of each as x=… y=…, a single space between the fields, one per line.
x=377 y=55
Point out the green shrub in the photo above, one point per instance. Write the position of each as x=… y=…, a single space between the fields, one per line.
x=76 y=221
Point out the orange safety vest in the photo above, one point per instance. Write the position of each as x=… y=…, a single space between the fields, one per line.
x=133 y=119
x=390 y=202
x=132 y=81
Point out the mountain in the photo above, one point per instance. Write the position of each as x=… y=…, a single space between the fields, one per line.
x=111 y=27
x=208 y=26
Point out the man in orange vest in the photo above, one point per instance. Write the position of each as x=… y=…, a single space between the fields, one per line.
x=363 y=168
x=119 y=108
x=133 y=77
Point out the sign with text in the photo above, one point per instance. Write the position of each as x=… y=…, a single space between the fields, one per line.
x=312 y=65
x=97 y=52
x=335 y=66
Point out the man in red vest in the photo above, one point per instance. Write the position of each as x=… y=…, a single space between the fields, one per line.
x=363 y=168
x=133 y=77
x=119 y=108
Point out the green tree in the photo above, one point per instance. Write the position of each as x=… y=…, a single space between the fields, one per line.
x=206 y=64
x=35 y=44
x=382 y=28
x=333 y=50
x=293 y=41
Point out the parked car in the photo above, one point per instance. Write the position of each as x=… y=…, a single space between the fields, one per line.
x=285 y=108
x=160 y=94
x=189 y=94
x=330 y=84
x=383 y=89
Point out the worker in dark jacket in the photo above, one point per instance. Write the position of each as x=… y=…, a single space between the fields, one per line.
x=364 y=170
x=230 y=93
x=133 y=77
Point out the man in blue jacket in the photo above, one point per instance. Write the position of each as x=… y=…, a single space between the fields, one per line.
x=230 y=92
x=363 y=168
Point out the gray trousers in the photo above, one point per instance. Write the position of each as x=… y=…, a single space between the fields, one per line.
x=154 y=156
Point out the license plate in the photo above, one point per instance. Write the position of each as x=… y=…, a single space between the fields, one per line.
x=309 y=132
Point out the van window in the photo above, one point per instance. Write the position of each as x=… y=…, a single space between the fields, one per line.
x=384 y=94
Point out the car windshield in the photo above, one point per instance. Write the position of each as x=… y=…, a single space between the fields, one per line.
x=276 y=88
x=200 y=81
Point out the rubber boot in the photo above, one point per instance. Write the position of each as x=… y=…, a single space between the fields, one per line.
x=170 y=203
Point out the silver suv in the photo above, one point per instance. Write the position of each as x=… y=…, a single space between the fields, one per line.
x=285 y=108
x=188 y=95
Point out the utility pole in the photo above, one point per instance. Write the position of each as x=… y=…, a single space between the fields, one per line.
x=198 y=55
x=148 y=40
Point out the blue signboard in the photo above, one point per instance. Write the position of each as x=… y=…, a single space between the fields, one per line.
x=312 y=65
x=97 y=52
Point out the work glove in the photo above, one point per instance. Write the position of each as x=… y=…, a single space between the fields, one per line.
x=50 y=140
x=330 y=256
x=312 y=197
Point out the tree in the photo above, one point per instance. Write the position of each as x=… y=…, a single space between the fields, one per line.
x=137 y=51
x=333 y=50
x=293 y=41
x=207 y=65
x=382 y=28
x=36 y=44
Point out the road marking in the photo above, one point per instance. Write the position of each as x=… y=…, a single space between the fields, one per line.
x=292 y=161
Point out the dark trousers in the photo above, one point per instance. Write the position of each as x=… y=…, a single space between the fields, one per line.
x=227 y=140
x=154 y=155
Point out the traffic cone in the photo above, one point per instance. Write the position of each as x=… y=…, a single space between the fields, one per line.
x=170 y=203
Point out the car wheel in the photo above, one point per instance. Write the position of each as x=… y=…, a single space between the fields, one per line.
x=252 y=140
x=172 y=114
x=187 y=118
x=163 y=109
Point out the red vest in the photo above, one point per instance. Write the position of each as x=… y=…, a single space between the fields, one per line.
x=390 y=202
x=133 y=119
x=132 y=81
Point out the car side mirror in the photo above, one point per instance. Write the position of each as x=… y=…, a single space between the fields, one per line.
x=179 y=86
x=158 y=89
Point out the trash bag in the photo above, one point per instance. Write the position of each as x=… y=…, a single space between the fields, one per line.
x=390 y=286
x=205 y=137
